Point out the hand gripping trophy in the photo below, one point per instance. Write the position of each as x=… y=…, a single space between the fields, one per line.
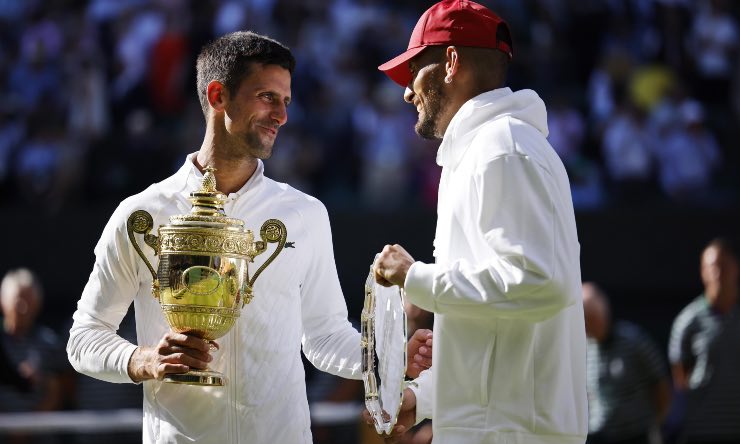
x=202 y=281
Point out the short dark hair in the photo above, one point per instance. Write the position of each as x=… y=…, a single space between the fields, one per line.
x=229 y=59
x=490 y=66
x=726 y=245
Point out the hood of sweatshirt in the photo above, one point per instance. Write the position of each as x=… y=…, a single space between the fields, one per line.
x=524 y=105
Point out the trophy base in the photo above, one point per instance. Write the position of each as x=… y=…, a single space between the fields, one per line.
x=197 y=377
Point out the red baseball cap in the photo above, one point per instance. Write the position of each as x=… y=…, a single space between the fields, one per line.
x=451 y=22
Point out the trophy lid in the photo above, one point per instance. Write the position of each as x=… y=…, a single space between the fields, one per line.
x=208 y=206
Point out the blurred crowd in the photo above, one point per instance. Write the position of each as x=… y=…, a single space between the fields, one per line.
x=98 y=96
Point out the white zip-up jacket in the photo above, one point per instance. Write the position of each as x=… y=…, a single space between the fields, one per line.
x=509 y=362
x=297 y=300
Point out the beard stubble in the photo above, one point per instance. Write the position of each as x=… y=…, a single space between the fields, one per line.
x=434 y=97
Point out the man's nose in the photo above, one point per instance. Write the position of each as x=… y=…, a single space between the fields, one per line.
x=280 y=114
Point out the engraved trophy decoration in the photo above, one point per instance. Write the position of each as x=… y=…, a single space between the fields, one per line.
x=202 y=281
x=383 y=352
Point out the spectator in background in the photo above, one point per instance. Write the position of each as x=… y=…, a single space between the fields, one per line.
x=33 y=350
x=567 y=129
x=385 y=139
x=664 y=116
x=607 y=82
x=628 y=386
x=627 y=151
x=47 y=165
x=649 y=85
x=713 y=44
x=168 y=67
x=687 y=156
x=86 y=98
x=136 y=35
x=673 y=21
x=567 y=134
x=704 y=351
x=35 y=80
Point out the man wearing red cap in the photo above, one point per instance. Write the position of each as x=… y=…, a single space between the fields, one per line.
x=509 y=362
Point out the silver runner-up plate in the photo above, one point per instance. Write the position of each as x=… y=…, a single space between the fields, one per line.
x=383 y=352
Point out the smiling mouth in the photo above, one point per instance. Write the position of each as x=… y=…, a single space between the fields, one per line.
x=272 y=131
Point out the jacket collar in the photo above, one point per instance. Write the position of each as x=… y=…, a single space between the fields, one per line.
x=461 y=128
x=189 y=178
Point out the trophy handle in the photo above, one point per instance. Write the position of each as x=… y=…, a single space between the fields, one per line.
x=141 y=222
x=272 y=231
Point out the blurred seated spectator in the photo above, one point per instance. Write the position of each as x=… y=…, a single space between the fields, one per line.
x=35 y=80
x=604 y=85
x=650 y=84
x=703 y=351
x=34 y=350
x=713 y=45
x=627 y=380
x=168 y=67
x=627 y=148
x=664 y=116
x=42 y=33
x=48 y=164
x=687 y=156
x=137 y=32
x=386 y=149
x=567 y=129
x=88 y=116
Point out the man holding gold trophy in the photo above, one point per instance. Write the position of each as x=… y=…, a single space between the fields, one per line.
x=196 y=279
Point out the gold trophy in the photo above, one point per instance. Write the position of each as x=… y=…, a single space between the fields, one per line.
x=202 y=281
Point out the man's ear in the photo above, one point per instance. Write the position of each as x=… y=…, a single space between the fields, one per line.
x=217 y=95
x=452 y=63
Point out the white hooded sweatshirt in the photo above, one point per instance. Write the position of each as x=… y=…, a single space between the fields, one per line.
x=297 y=301
x=509 y=361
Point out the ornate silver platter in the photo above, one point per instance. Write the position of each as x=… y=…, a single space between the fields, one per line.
x=383 y=352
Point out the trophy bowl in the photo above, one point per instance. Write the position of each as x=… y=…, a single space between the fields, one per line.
x=202 y=280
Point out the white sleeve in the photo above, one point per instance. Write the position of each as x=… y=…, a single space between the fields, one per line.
x=94 y=348
x=329 y=340
x=422 y=388
x=520 y=280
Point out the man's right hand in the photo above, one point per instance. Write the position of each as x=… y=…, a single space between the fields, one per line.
x=175 y=353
